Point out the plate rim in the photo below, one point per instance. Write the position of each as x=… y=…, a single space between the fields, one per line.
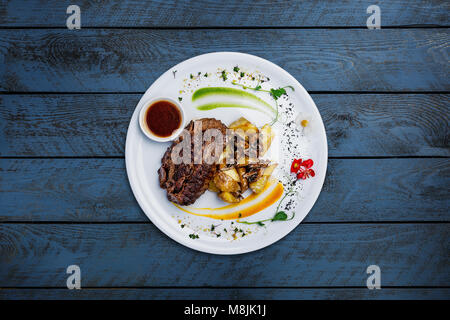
x=191 y=244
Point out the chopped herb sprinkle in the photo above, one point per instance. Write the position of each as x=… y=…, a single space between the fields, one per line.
x=224 y=75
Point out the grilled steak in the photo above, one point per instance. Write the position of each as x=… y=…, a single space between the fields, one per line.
x=186 y=182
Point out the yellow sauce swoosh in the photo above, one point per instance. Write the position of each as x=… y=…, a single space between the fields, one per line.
x=254 y=203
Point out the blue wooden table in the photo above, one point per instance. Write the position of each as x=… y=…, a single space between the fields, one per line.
x=66 y=97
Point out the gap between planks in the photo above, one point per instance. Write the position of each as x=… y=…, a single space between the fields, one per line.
x=413 y=26
x=149 y=222
x=142 y=92
x=228 y=287
x=123 y=157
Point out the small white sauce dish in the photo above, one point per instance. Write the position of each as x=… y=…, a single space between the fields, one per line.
x=143 y=121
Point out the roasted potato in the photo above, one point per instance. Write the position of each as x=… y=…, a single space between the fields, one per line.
x=246 y=161
x=229 y=197
x=266 y=136
x=258 y=185
x=268 y=171
x=248 y=171
x=212 y=186
x=243 y=181
x=232 y=173
x=243 y=124
x=226 y=183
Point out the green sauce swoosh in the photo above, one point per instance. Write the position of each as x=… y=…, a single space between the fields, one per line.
x=216 y=105
x=209 y=91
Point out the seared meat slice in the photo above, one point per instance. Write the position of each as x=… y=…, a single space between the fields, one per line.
x=185 y=183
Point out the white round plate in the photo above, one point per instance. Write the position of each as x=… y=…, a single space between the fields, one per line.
x=143 y=156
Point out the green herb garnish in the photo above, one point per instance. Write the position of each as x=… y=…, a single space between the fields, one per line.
x=236 y=69
x=279 y=215
x=180 y=98
x=224 y=75
x=193 y=236
x=275 y=93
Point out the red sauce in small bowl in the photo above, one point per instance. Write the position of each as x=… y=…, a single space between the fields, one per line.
x=163 y=118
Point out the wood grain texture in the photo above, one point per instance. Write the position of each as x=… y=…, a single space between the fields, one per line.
x=136 y=255
x=65 y=125
x=229 y=294
x=98 y=190
x=130 y=60
x=96 y=125
x=97 y=223
x=232 y=13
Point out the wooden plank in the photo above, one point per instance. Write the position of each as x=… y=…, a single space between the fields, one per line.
x=98 y=190
x=232 y=293
x=96 y=125
x=136 y=255
x=65 y=125
x=130 y=60
x=233 y=13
